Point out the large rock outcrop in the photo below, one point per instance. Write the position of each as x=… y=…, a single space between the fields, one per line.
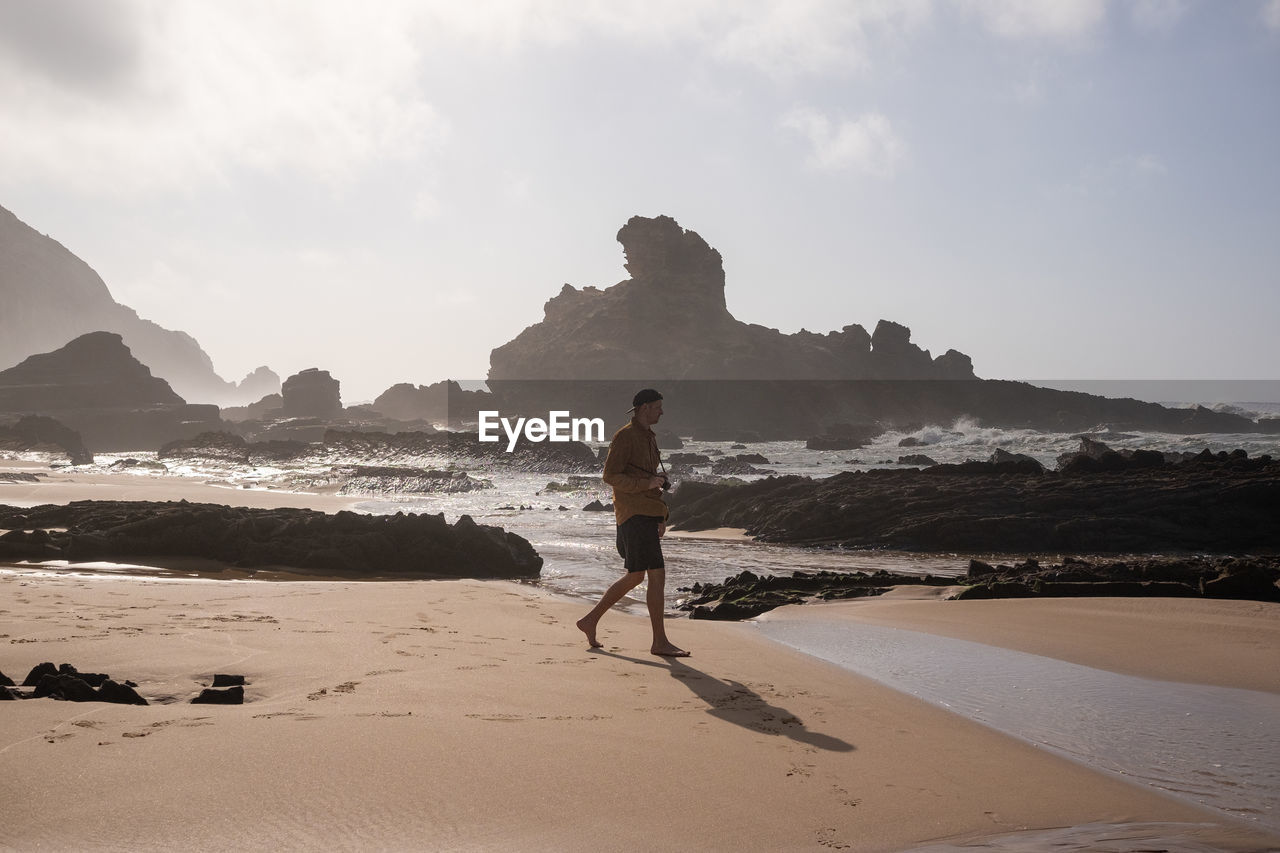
x=677 y=285
x=96 y=387
x=345 y=543
x=1110 y=502
x=313 y=393
x=48 y=296
x=725 y=379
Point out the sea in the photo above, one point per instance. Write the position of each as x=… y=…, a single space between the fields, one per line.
x=1213 y=746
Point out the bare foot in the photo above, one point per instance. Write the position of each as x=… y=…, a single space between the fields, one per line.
x=590 y=630
x=669 y=651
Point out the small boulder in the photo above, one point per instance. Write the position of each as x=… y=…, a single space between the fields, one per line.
x=229 y=696
x=120 y=694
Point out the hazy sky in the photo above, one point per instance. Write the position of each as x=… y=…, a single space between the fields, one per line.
x=388 y=190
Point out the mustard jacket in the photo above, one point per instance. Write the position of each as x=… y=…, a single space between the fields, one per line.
x=632 y=460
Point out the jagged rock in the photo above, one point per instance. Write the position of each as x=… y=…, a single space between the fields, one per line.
x=38 y=672
x=689 y=459
x=229 y=696
x=747 y=594
x=345 y=543
x=121 y=694
x=596 y=506
x=67 y=687
x=1214 y=504
x=6 y=681
x=313 y=393
x=917 y=459
x=735 y=466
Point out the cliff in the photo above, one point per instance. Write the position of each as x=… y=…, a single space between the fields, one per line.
x=48 y=296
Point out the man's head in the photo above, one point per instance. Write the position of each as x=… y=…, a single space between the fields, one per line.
x=647 y=407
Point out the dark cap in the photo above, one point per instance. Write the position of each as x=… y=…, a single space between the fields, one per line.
x=645 y=395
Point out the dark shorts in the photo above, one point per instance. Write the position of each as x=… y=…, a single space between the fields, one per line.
x=639 y=543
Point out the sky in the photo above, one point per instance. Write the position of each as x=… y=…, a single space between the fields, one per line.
x=1062 y=189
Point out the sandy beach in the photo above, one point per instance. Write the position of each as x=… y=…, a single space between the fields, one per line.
x=467 y=715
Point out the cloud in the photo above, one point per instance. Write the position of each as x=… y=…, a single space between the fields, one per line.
x=1270 y=13
x=1062 y=20
x=812 y=36
x=86 y=45
x=1158 y=15
x=866 y=144
x=203 y=90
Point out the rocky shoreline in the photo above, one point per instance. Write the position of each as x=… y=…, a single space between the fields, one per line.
x=1099 y=501
x=345 y=544
x=746 y=595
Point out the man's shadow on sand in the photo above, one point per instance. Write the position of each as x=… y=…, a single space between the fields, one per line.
x=736 y=703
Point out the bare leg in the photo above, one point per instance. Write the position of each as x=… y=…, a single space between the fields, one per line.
x=655 y=598
x=623 y=585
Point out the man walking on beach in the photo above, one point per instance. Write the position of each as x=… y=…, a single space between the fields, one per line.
x=632 y=470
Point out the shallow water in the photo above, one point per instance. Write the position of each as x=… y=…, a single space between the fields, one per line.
x=1215 y=746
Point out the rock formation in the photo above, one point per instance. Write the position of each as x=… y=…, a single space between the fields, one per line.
x=96 y=387
x=261 y=382
x=346 y=543
x=313 y=393
x=443 y=403
x=677 y=284
x=41 y=434
x=1120 y=503
x=730 y=380
x=50 y=296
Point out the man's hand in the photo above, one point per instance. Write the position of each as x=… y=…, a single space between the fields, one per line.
x=656 y=481
x=662 y=530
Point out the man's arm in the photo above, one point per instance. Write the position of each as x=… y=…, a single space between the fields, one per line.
x=620 y=470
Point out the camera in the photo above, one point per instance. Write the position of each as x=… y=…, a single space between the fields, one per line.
x=666 y=483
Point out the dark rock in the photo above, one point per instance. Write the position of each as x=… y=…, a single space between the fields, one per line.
x=38 y=672
x=596 y=506
x=7 y=693
x=313 y=393
x=229 y=696
x=916 y=459
x=735 y=466
x=44 y=434
x=6 y=681
x=688 y=459
x=1014 y=463
x=346 y=542
x=121 y=694
x=1250 y=582
x=228 y=681
x=746 y=594
x=1212 y=505
x=66 y=687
